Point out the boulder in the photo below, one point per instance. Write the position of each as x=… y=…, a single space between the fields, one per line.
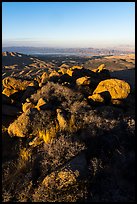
x=40 y=103
x=83 y=81
x=76 y=67
x=44 y=78
x=69 y=72
x=77 y=73
x=97 y=98
x=54 y=73
x=99 y=69
x=94 y=77
x=17 y=84
x=63 y=70
x=118 y=89
x=15 y=95
x=8 y=92
x=103 y=97
x=34 y=84
x=102 y=71
x=26 y=106
x=21 y=127
x=64 y=66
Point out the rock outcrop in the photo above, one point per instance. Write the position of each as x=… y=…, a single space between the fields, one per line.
x=118 y=89
x=17 y=84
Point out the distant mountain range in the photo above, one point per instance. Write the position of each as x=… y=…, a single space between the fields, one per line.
x=74 y=51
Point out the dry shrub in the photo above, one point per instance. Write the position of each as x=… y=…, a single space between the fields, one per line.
x=59 y=151
x=105 y=134
x=54 y=92
x=61 y=186
x=17 y=177
x=6 y=196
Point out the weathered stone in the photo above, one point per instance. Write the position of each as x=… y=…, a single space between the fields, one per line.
x=40 y=103
x=103 y=97
x=76 y=67
x=118 y=89
x=8 y=92
x=69 y=72
x=64 y=66
x=97 y=98
x=99 y=69
x=17 y=84
x=34 y=84
x=83 y=81
x=21 y=127
x=54 y=73
x=44 y=78
x=77 y=73
x=103 y=72
x=62 y=70
x=27 y=106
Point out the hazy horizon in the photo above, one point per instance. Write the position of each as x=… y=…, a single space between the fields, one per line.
x=68 y=24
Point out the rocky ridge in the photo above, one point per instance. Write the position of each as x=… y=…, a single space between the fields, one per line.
x=72 y=126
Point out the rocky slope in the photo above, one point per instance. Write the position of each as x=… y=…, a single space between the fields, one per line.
x=70 y=134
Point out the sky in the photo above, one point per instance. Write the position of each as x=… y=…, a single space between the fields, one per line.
x=68 y=24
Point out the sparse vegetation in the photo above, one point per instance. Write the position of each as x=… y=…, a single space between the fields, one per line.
x=63 y=146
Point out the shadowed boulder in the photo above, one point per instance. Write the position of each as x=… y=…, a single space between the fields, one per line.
x=27 y=93
x=103 y=97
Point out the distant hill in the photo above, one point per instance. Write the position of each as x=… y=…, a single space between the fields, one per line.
x=18 y=64
x=12 y=58
x=77 y=51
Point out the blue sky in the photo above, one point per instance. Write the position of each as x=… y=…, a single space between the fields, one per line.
x=68 y=24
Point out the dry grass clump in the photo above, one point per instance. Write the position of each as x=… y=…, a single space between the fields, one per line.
x=32 y=166
x=62 y=127
x=61 y=186
x=60 y=151
x=57 y=189
x=17 y=177
x=57 y=95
